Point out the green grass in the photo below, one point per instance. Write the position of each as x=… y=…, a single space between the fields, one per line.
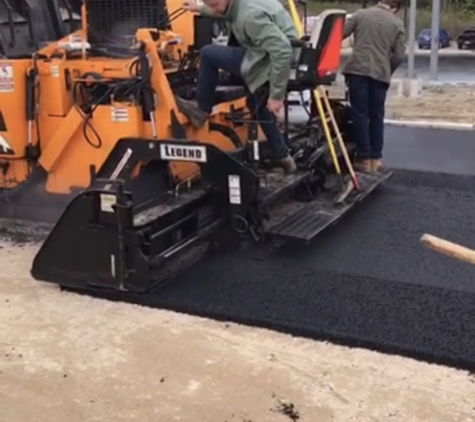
x=453 y=22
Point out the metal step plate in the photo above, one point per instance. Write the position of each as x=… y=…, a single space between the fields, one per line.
x=276 y=181
x=369 y=182
x=302 y=222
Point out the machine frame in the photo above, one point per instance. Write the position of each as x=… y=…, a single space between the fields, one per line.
x=153 y=194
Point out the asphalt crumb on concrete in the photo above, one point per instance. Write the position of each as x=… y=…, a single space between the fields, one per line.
x=367 y=282
x=286 y=408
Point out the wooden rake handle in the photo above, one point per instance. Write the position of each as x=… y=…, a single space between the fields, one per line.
x=449 y=248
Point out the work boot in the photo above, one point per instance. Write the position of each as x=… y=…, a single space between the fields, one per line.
x=197 y=116
x=288 y=164
x=376 y=165
x=363 y=166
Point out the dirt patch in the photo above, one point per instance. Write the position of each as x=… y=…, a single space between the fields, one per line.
x=69 y=357
x=445 y=102
x=448 y=103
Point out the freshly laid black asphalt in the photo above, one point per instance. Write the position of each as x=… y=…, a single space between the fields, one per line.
x=368 y=281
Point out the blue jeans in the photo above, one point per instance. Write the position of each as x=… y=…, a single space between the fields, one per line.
x=216 y=57
x=367 y=100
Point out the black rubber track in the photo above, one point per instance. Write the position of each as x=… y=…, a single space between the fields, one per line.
x=368 y=281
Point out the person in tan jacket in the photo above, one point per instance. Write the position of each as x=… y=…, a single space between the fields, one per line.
x=379 y=49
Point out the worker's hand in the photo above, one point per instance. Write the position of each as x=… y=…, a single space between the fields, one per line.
x=190 y=5
x=275 y=105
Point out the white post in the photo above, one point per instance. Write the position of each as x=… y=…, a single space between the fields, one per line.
x=412 y=40
x=434 y=53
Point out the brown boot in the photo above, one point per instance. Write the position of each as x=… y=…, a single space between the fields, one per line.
x=363 y=166
x=376 y=165
x=288 y=164
x=197 y=116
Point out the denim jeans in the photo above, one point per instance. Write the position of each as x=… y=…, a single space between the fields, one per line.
x=216 y=57
x=367 y=100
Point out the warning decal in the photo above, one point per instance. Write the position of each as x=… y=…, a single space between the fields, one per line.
x=234 y=183
x=119 y=114
x=5 y=147
x=6 y=77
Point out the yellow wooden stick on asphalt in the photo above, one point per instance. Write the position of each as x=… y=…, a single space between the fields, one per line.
x=448 y=248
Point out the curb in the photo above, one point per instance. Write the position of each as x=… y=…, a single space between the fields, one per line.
x=445 y=84
x=469 y=84
x=427 y=124
x=346 y=51
x=396 y=82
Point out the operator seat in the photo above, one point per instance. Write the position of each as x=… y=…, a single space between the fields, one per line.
x=320 y=53
x=317 y=64
x=318 y=59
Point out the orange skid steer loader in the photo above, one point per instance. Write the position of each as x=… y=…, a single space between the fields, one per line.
x=92 y=142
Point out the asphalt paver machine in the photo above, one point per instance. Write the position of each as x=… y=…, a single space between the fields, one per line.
x=92 y=141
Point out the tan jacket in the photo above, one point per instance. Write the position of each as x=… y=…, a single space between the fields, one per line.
x=379 y=43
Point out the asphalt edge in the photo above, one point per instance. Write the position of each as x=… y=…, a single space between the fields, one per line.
x=347 y=50
x=344 y=339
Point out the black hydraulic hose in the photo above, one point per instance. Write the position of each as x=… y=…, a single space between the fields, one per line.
x=30 y=95
x=145 y=87
x=172 y=16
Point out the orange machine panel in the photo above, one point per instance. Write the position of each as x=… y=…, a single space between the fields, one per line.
x=70 y=153
x=55 y=80
x=13 y=127
x=15 y=133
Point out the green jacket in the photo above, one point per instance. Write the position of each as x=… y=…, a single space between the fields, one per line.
x=379 y=45
x=264 y=28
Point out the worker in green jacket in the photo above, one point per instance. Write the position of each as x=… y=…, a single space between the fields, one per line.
x=263 y=29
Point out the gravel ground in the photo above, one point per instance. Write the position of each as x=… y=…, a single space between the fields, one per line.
x=68 y=357
x=447 y=103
